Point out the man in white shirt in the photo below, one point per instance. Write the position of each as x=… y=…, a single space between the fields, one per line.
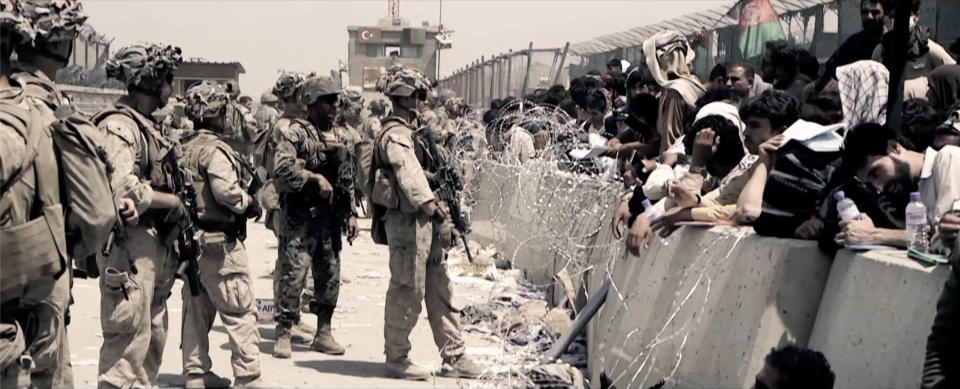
x=881 y=158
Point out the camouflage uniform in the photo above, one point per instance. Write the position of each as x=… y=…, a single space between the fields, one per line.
x=13 y=147
x=266 y=115
x=44 y=301
x=242 y=129
x=310 y=235
x=139 y=274
x=227 y=288
x=416 y=241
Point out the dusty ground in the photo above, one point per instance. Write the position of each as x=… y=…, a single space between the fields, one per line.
x=358 y=325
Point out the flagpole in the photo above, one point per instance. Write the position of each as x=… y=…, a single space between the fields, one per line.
x=896 y=62
x=439 y=31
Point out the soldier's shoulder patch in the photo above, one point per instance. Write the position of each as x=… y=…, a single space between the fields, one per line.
x=121 y=126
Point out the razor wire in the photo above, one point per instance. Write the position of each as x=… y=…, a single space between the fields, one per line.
x=559 y=209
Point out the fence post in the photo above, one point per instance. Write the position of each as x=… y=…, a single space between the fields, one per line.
x=509 y=73
x=563 y=58
x=526 y=74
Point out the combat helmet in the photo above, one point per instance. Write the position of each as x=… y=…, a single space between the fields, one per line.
x=268 y=98
x=205 y=100
x=287 y=85
x=402 y=81
x=53 y=20
x=12 y=22
x=316 y=86
x=144 y=66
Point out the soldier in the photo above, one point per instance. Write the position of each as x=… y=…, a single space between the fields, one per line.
x=15 y=123
x=44 y=303
x=242 y=128
x=139 y=273
x=268 y=112
x=222 y=209
x=371 y=125
x=315 y=182
x=416 y=239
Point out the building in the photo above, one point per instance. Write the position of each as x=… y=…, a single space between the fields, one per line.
x=196 y=70
x=372 y=49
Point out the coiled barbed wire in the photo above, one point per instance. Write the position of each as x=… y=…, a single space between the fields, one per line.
x=553 y=212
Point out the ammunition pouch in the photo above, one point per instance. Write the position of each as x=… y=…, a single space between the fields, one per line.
x=30 y=252
x=385 y=189
x=229 y=230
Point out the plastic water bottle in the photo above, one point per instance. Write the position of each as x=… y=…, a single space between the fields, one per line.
x=652 y=213
x=846 y=209
x=918 y=231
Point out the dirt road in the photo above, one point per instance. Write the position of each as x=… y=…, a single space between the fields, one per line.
x=358 y=325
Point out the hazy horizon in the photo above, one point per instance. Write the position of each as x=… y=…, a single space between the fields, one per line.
x=311 y=35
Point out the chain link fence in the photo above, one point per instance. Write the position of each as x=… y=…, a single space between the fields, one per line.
x=516 y=73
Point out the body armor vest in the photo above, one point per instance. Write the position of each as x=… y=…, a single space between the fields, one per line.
x=195 y=148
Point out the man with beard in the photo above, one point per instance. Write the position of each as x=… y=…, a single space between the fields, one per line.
x=859 y=46
x=315 y=182
x=876 y=155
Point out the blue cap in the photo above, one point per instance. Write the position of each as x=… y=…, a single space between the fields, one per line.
x=915 y=196
x=839 y=195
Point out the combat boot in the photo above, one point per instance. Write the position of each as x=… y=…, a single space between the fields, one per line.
x=206 y=380
x=461 y=367
x=405 y=368
x=282 y=349
x=252 y=382
x=324 y=341
x=302 y=333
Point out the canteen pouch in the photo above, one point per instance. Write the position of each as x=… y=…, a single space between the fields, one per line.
x=121 y=302
x=30 y=251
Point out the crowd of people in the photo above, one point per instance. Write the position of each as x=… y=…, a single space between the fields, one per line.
x=777 y=146
x=148 y=190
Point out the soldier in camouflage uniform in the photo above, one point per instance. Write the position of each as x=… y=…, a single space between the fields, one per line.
x=223 y=205
x=417 y=236
x=54 y=25
x=315 y=182
x=36 y=292
x=371 y=126
x=268 y=112
x=138 y=275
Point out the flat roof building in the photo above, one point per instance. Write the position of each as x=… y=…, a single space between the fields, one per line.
x=372 y=49
x=196 y=70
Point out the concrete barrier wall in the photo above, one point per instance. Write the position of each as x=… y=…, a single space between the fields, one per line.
x=704 y=307
x=875 y=316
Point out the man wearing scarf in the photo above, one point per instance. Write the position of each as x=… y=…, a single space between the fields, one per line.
x=668 y=54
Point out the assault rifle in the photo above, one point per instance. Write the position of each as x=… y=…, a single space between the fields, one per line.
x=188 y=235
x=449 y=183
x=253 y=183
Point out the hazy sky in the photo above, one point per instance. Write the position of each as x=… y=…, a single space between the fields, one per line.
x=266 y=36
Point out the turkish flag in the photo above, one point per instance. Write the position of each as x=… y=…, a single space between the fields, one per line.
x=368 y=35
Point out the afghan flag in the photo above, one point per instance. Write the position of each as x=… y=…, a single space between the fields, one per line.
x=758 y=24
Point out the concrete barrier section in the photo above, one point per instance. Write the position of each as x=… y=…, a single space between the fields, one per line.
x=703 y=308
x=875 y=316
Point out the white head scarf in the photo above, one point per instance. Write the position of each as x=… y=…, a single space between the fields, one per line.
x=726 y=111
x=668 y=53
